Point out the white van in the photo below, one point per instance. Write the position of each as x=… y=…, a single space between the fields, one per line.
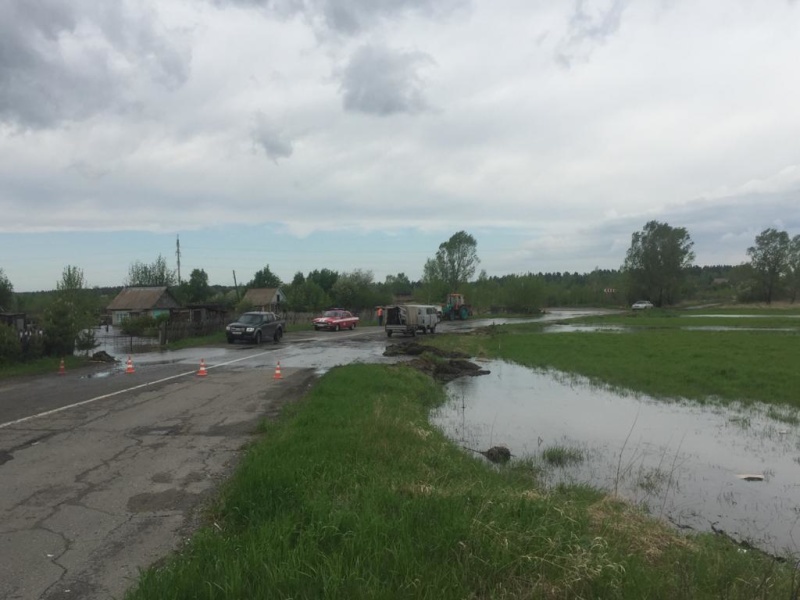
x=410 y=318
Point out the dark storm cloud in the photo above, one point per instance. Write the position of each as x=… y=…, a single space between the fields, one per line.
x=380 y=81
x=591 y=23
x=271 y=140
x=69 y=59
x=350 y=16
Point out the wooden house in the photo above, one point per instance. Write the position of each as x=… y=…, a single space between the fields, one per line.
x=140 y=301
x=269 y=299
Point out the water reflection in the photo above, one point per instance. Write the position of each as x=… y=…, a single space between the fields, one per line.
x=680 y=460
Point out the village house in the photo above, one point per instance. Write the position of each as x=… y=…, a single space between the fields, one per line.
x=268 y=299
x=142 y=301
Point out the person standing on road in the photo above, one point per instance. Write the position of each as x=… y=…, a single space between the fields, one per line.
x=380 y=316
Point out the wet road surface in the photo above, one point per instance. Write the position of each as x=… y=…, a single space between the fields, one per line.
x=103 y=471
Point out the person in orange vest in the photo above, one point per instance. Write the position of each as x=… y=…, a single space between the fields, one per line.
x=380 y=316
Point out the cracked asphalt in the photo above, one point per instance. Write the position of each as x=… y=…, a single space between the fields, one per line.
x=92 y=493
x=104 y=473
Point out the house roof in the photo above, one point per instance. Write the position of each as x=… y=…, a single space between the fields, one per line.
x=261 y=296
x=143 y=298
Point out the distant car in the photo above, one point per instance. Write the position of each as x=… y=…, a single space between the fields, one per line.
x=642 y=305
x=255 y=327
x=335 y=319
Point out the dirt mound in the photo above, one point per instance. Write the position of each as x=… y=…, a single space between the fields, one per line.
x=443 y=366
x=103 y=356
x=416 y=349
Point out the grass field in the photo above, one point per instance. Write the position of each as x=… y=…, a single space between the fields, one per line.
x=667 y=362
x=42 y=366
x=673 y=319
x=352 y=494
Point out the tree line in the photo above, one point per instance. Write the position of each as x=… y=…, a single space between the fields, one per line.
x=658 y=266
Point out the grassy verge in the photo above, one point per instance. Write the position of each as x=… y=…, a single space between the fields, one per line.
x=202 y=340
x=357 y=496
x=42 y=366
x=745 y=366
x=674 y=319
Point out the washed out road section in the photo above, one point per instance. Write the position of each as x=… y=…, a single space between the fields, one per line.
x=92 y=494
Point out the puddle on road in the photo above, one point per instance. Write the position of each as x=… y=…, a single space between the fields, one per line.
x=681 y=460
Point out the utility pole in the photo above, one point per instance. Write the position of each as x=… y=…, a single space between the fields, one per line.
x=236 y=285
x=178 y=254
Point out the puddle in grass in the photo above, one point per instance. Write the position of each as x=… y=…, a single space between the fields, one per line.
x=680 y=460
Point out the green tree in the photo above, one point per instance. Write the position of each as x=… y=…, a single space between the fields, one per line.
x=354 y=291
x=264 y=279
x=307 y=297
x=72 y=290
x=6 y=292
x=770 y=261
x=325 y=278
x=794 y=268
x=454 y=264
x=60 y=327
x=155 y=274
x=197 y=288
x=398 y=284
x=299 y=278
x=657 y=261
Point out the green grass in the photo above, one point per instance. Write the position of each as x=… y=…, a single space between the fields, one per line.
x=201 y=340
x=728 y=366
x=354 y=495
x=561 y=456
x=673 y=319
x=42 y=366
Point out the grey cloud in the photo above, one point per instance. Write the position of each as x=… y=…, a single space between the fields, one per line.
x=111 y=46
x=591 y=23
x=349 y=17
x=271 y=139
x=380 y=81
x=721 y=229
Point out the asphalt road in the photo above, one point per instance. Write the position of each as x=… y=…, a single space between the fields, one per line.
x=92 y=493
x=103 y=472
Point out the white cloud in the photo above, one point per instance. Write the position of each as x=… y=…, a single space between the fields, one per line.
x=153 y=115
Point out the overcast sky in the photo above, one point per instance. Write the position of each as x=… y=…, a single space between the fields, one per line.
x=350 y=134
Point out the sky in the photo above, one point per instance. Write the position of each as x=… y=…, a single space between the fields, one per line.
x=361 y=134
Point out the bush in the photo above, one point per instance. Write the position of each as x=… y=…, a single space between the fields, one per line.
x=86 y=341
x=32 y=347
x=143 y=326
x=10 y=349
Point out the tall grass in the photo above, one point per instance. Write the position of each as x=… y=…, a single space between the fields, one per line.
x=42 y=366
x=354 y=495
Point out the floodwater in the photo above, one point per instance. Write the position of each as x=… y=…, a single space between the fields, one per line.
x=680 y=460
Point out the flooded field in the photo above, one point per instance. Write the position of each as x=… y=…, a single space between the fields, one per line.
x=700 y=467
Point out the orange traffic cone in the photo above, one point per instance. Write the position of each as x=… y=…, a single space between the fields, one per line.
x=61 y=369
x=202 y=372
x=277 y=371
x=129 y=368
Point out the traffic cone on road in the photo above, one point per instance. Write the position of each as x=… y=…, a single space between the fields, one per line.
x=129 y=368
x=202 y=372
x=61 y=369
x=277 y=371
